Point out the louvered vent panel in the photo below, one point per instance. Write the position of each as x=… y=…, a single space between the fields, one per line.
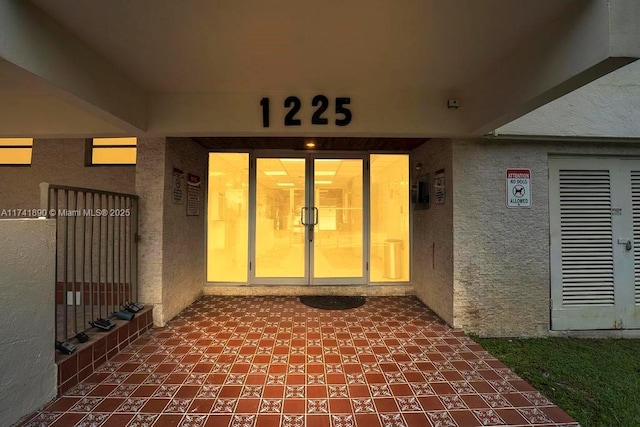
x=587 y=250
x=635 y=199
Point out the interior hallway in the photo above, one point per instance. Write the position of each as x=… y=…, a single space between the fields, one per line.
x=271 y=362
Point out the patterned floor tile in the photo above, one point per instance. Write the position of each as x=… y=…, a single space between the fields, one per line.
x=273 y=362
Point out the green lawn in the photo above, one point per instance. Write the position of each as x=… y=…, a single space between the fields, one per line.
x=597 y=382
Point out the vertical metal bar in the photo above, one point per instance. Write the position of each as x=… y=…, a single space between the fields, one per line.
x=129 y=247
x=130 y=242
x=74 y=243
x=84 y=256
x=106 y=259
x=116 y=221
x=137 y=252
x=113 y=252
x=122 y=257
x=134 y=248
x=66 y=262
x=99 y=256
x=55 y=195
x=91 y=283
x=127 y=253
x=122 y=270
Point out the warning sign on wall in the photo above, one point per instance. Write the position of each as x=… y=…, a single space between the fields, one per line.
x=177 y=186
x=518 y=188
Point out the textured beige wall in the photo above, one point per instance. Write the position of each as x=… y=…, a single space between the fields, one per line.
x=150 y=184
x=28 y=370
x=171 y=248
x=59 y=161
x=433 y=233
x=606 y=107
x=501 y=268
x=184 y=236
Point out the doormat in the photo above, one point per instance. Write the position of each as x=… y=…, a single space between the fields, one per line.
x=332 y=302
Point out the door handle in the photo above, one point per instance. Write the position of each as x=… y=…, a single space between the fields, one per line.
x=316 y=216
x=627 y=244
x=303 y=212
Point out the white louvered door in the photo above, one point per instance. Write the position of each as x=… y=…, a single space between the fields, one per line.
x=631 y=168
x=593 y=269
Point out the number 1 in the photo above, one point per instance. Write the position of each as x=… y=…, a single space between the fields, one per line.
x=264 y=102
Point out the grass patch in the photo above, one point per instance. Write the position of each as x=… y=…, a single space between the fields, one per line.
x=596 y=381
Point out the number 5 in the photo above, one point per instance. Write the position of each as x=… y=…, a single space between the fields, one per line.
x=340 y=109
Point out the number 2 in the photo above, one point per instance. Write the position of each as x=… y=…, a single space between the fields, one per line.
x=292 y=102
x=322 y=102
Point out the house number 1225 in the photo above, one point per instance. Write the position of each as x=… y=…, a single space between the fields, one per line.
x=320 y=102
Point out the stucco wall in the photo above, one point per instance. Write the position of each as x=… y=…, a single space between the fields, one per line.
x=433 y=232
x=150 y=184
x=28 y=374
x=183 y=238
x=606 y=107
x=501 y=261
x=171 y=248
x=59 y=161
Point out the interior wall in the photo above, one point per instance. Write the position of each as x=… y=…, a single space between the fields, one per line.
x=183 y=259
x=433 y=231
x=28 y=374
x=62 y=162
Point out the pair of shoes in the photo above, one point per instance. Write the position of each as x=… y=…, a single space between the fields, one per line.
x=132 y=307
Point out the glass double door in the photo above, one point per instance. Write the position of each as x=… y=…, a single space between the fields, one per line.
x=307 y=222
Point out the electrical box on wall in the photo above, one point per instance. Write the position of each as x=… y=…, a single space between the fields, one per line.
x=420 y=194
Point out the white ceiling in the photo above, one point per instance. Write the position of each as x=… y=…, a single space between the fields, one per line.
x=210 y=46
x=200 y=67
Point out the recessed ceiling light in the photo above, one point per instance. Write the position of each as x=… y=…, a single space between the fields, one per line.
x=310 y=144
x=285 y=184
x=323 y=182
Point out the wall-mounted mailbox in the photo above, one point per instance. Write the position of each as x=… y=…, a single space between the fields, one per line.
x=420 y=194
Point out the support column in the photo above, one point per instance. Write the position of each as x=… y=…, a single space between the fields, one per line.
x=150 y=187
x=171 y=249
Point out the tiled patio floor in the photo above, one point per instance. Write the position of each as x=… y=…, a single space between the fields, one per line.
x=271 y=361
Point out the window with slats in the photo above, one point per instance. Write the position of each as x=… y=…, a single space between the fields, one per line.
x=112 y=151
x=587 y=238
x=16 y=151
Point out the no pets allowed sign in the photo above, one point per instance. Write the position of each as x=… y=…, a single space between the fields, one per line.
x=518 y=188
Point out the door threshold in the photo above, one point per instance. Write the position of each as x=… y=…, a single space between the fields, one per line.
x=390 y=289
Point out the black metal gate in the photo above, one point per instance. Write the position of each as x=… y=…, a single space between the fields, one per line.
x=96 y=253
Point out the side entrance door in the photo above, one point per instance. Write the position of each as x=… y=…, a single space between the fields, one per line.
x=594 y=207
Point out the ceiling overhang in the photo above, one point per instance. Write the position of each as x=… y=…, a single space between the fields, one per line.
x=195 y=68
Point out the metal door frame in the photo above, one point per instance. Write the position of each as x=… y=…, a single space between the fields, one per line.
x=309 y=158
